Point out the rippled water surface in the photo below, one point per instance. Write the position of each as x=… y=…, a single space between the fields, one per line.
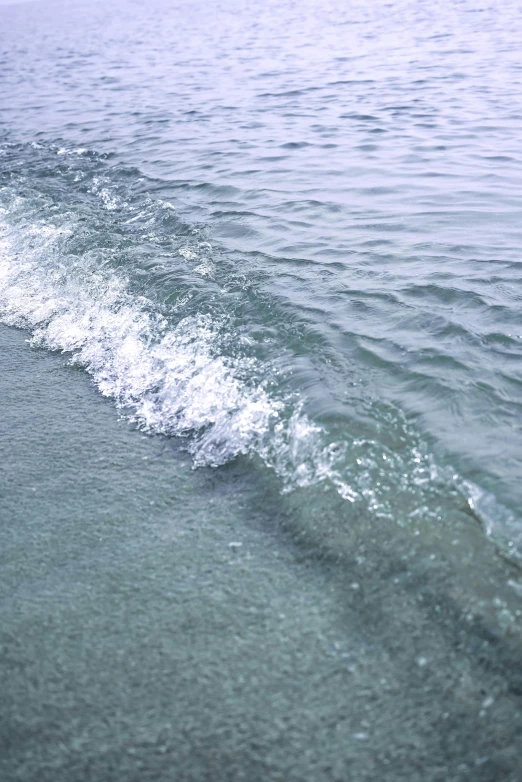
x=287 y=235
x=316 y=201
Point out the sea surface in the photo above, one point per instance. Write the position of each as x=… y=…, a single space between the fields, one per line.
x=261 y=387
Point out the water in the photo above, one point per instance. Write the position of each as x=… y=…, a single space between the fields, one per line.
x=284 y=241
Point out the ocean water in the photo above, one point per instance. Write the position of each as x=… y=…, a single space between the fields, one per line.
x=260 y=287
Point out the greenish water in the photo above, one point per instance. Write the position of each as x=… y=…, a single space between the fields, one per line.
x=164 y=623
x=260 y=380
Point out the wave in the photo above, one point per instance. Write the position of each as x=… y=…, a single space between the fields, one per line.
x=83 y=253
x=168 y=378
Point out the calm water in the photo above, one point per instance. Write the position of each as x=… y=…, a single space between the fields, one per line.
x=284 y=239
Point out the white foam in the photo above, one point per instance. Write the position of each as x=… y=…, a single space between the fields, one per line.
x=170 y=379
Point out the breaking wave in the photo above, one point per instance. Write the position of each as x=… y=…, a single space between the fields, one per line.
x=168 y=378
x=83 y=254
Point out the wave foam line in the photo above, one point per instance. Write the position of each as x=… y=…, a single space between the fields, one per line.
x=169 y=379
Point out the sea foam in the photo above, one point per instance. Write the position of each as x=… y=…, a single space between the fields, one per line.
x=167 y=378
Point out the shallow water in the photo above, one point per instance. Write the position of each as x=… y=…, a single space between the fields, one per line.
x=284 y=240
x=158 y=622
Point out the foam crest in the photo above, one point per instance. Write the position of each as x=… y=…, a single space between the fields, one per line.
x=169 y=379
